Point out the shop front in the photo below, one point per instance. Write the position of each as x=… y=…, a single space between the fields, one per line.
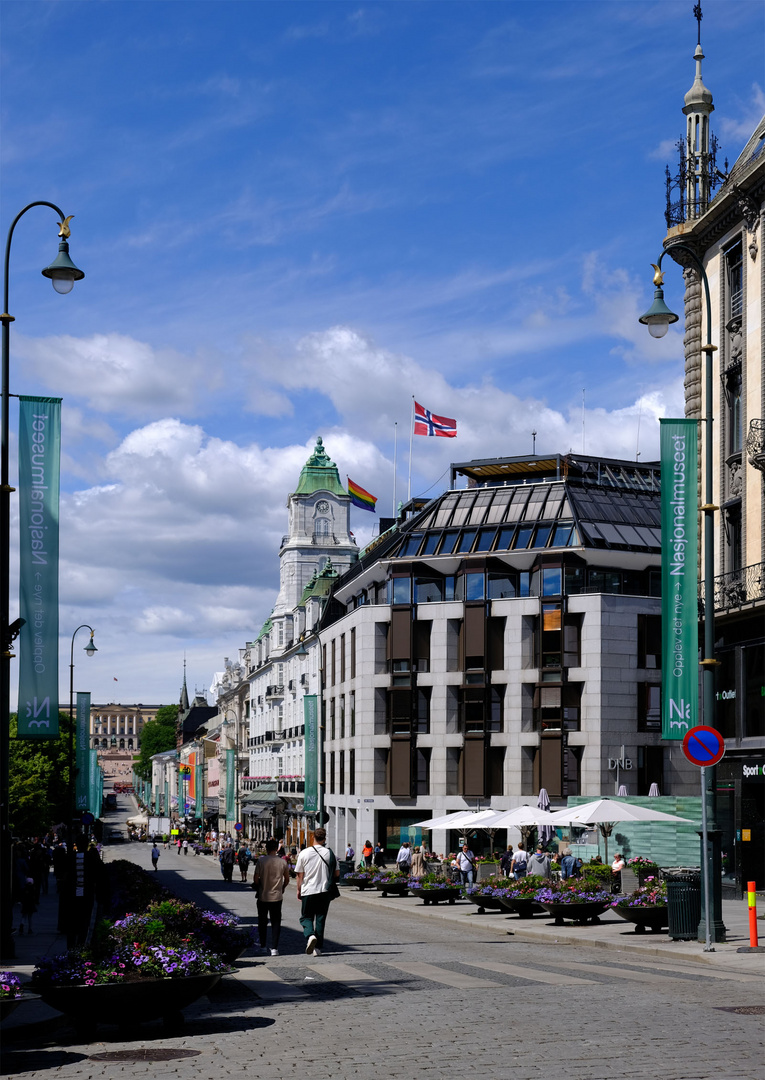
x=741 y=817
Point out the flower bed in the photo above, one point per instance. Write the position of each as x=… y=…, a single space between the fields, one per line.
x=521 y=896
x=10 y=986
x=644 y=868
x=391 y=881
x=646 y=906
x=490 y=893
x=579 y=901
x=362 y=879
x=432 y=888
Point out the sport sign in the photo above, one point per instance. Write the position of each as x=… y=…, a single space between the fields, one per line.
x=703 y=745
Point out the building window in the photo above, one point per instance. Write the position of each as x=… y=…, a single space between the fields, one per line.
x=342 y=658
x=332 y=718
x=423 y=710
x=649 y=641
x=353 y=652
x=735 y=270
x=352 y=713
x=422 y=766
x=342 y=773
x=351 y=772
x=650 y=768
x=649 y=707
x=321 y=527
x=733 y=538
x=342 y=716
x=733 y=388
x=332 y=772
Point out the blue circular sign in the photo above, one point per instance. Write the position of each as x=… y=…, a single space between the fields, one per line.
x=703 y=745
x=87 y=818
x=238 y=826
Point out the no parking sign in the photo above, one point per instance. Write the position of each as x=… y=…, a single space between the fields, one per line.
x=703 y=745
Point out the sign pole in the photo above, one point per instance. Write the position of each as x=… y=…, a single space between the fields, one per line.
x=708 y=947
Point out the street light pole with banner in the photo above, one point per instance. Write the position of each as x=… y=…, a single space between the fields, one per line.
x=704 y=746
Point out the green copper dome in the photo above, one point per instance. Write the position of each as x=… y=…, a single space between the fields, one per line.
x=319 y=474
x=320 y=584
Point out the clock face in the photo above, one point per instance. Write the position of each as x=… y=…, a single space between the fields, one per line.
x=322 y=506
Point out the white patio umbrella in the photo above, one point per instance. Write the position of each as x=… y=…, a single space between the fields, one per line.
x=546 y=832
x=455 y=820
x=605 y=813
x=523 y=817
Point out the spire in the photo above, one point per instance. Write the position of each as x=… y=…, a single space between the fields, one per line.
x=320 y=473
x=184 y=692
x=698 y=139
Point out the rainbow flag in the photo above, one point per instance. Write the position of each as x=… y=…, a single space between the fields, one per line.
x=361 y=498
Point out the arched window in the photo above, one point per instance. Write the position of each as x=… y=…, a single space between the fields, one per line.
x=321 y=527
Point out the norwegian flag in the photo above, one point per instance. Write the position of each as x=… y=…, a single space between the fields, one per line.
x=427 y=423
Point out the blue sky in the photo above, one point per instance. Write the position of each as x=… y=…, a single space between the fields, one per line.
x=294 y=216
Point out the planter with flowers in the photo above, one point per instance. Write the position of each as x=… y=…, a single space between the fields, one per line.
x=391 y=882
x=141 y=967
x=433 y=888
x=12 y=994
x=646 y=907
x=644 y=868
x=521 y=896
x=489 y=894
x=363 y=878
x=576 y=900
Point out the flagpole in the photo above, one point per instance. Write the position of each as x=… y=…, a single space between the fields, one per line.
x=395 y=456
x=411 y=440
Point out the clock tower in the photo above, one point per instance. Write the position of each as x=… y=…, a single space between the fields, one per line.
x=319 y=531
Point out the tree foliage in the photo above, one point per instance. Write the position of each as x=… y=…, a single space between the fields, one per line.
x=157 y=736
x=38 y=780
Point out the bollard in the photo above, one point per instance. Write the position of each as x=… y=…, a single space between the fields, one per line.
x=752 y=899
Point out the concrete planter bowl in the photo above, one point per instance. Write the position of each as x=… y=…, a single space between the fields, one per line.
x=588 y=911
x=448 y=893
x=654 y=918
x=525 y=907
x=127 y=1003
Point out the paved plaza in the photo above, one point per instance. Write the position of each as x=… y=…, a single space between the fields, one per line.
x=411 y=991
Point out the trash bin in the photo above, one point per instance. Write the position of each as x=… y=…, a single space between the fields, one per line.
x=683 y=902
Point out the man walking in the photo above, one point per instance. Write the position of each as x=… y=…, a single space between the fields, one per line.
x=404 y=858
x=466 y=865
x=539 y=863
x=316 y=870
x=227 y=858
x=155 y=855
x=272 y=876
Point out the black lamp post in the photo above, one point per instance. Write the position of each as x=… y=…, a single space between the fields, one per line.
x=63 y=273
x=658 y=319
x=90 y=649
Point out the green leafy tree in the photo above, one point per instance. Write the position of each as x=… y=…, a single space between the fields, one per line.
x=38 y=780
x=157 y=736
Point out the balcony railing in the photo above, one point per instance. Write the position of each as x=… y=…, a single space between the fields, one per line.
x=738 y=588
x=755 y=444
x=277 y=690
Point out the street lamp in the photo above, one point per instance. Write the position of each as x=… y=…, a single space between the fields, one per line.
x=63 y=273
x=658 y=319
x=89 y=650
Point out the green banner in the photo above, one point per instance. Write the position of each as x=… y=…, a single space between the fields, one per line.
x=166 y=806
x=230 y=785
x=199 y=770
x=679 y=578
x=94 y=801
x=39 y=467
x=82 y=736
x=311 y=744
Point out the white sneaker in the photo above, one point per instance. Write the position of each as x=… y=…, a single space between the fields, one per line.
x=317 y=952
x=311 y=944
x=274 y=952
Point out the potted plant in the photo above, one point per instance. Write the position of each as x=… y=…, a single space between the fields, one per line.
x=432 y=888
x=391 y=881
x=521 y=896
x=644 y=868
x=362 y=878
x=646 y=907
x=12 y=994
x=576 y=900
x=489 y=893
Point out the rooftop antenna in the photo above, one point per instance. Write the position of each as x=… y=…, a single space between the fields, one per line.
x=533 y=444
x=582 y=420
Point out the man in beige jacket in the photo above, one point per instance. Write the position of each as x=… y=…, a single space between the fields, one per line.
x=272 y=876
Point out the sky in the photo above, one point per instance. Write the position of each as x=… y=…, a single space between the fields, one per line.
x=294 y=217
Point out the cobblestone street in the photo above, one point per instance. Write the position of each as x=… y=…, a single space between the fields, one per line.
x=420 y=994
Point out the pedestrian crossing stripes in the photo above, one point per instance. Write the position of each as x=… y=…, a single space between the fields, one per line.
x=301 y=983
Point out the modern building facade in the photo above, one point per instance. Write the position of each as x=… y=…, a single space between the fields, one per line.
x=723 y=228
x=504 y=637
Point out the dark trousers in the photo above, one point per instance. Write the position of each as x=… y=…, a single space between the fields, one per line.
x=313 y=916
x=269 y=910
